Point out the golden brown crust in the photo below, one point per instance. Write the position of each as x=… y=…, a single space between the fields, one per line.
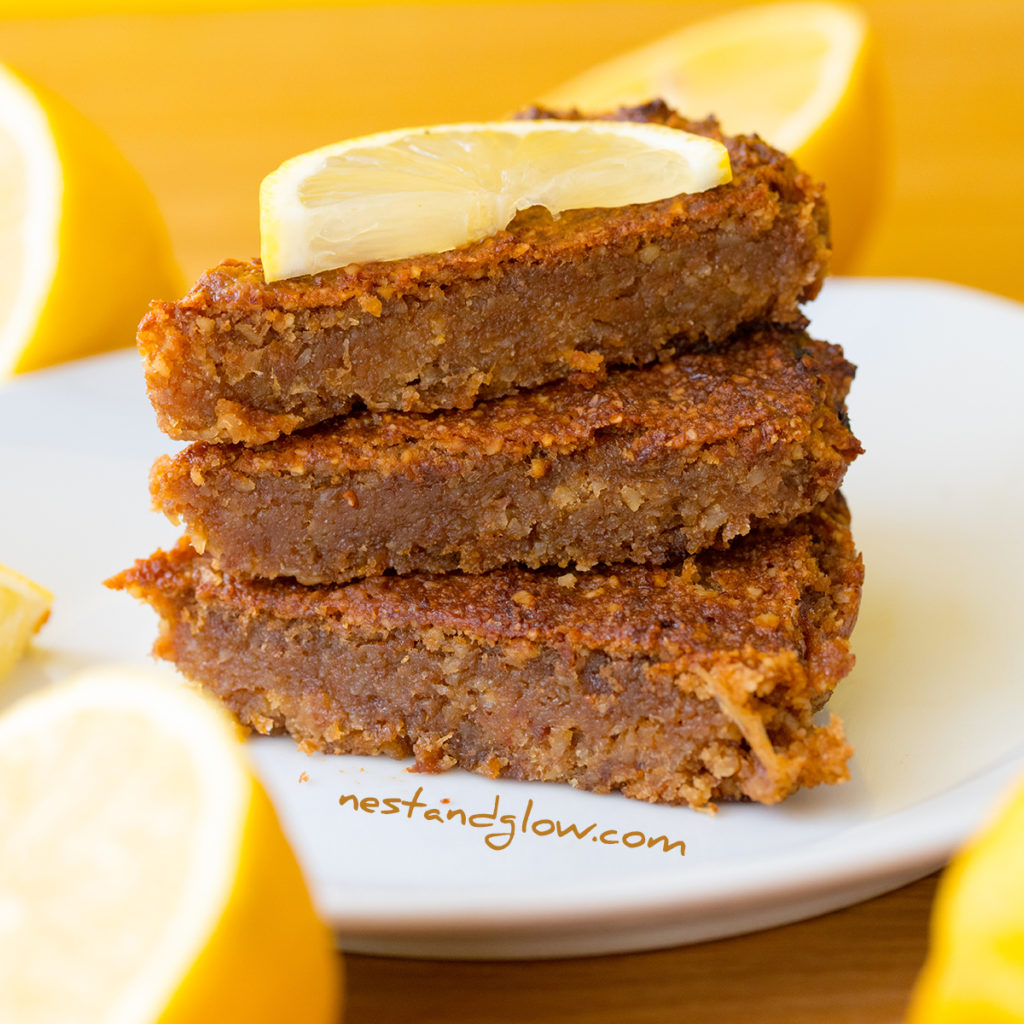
x=683 y=684
x=643 y=465
x=240 y=360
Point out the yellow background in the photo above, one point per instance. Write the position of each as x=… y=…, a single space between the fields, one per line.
x=205 y=104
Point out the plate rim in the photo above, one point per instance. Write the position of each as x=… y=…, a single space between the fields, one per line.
x=776 y=879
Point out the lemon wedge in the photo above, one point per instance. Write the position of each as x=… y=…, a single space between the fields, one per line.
x=797 y=74
x=24 y=607
x=974 y=973
x=424 y=190
x=84 y=247
x=143 y=874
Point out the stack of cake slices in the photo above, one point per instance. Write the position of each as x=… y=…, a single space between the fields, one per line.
x=557 y=505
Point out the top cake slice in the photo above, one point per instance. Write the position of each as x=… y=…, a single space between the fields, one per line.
x=241 y=360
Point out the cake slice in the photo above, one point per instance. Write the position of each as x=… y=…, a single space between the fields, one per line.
x=241 y=360
x=683 y=684
x=643 y=466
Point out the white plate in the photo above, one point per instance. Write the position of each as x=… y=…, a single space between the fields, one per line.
x=935 y=707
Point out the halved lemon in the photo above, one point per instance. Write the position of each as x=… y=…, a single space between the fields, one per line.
x=143 y=874
x=797 y=74
x=83 y=245
x=420 y=190
x=974 y=973
x=24 y=607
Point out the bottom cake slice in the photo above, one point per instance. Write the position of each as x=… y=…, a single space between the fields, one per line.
x=680 y=684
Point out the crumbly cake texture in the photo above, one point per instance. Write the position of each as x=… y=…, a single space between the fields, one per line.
x=240 y=360
x=684 y=684
x=644 y=465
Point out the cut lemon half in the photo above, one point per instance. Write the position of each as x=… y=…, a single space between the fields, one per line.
x=24 y=607
x=82 y=244
x=974 y=973
x=797 y=74
x=426 y=190
x=143 y=874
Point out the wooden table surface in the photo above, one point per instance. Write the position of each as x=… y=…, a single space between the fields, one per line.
x=206 y=104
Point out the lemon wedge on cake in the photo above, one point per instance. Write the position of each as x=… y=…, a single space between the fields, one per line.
x=421 y=190
x=143 y=874
x=800 y=75
x=83 y=245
